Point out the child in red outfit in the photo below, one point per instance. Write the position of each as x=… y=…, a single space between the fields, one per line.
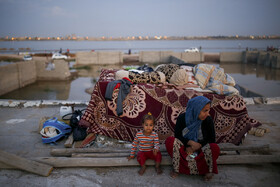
x=148 y=143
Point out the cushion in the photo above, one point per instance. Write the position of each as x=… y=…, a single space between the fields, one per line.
x=180 y=77
x=191 y=77
x=167 y=70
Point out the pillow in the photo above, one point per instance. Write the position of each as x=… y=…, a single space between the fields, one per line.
x=167 y=70
x=121 y=74
x=191 y=78
x=180 y=77
x=147 y=77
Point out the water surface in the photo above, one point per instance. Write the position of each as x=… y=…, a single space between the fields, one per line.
x=255 y=80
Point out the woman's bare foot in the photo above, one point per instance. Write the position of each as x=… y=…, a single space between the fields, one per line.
x=174 y=174
x=208 y=176
x=158 y=170
x=142 y=170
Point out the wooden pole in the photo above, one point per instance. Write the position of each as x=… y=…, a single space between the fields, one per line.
x=25 y=164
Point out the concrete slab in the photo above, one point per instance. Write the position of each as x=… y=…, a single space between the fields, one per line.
x=19 y=135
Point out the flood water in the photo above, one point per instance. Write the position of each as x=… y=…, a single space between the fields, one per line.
x=254 y=80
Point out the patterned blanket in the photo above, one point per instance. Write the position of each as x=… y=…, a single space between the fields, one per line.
x=228 y=112
x=213 y=78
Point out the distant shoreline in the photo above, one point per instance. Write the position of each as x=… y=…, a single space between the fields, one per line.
x=140 y=39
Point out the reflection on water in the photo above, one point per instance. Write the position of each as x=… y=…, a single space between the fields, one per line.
x=46 y=90
x=263 y=81
x=254 y=80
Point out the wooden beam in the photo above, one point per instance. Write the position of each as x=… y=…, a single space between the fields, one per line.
x=166 y=160
x=68 y=152
x=248 y=159
x=102 y=155
x=95 y=162
x=5 y=166
x=68 y=143
x=232 y=147
x=223 y=147
x=64 y=162
x=25 y=164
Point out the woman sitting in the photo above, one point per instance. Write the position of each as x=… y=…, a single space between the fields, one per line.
x=193 y=149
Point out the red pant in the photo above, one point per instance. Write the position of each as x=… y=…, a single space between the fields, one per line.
x=143 y=156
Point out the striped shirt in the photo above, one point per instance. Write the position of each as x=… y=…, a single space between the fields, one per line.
x=144 y=143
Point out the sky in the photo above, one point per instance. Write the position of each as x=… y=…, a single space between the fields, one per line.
x=122 y=18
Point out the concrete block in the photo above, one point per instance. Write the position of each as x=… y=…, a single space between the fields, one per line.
x=4 y=103
x=229 y=57
x=275 y=60
x=175 y=60
x=99 y=57
x=110 y=57
x=32 y=104
x=177 y=55
x=165 y=56
x=250 y=56
x=272 y=100
x=86 y=58
x=27 y=73
x=149 y=56
x=249 y=101
x=268 y=59
x=193 y=57
x=262 y=58
x=9 y=78
x=60 y=72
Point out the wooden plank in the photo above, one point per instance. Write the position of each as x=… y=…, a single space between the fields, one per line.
x=25 y=164
x=248 y=159
x=88 y=140
x=68 y=152
x=5 y=166
x=95 y=162
x=77 y=144
x=223 y=147
x=102 y=155
x=166 y=160
x=232 y=147
x=68 y=143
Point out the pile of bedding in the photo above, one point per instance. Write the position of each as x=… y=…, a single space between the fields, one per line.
x=164 y=92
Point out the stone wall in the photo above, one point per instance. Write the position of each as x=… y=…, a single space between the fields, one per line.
x=98 y=57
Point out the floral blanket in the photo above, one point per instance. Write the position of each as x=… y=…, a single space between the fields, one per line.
x=228 y=112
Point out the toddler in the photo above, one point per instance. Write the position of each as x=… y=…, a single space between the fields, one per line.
x=148 y=143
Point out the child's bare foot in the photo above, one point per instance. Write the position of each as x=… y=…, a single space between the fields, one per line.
x=142 y=170
x=174 y=174
x=158 y=170
x=208 y=176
